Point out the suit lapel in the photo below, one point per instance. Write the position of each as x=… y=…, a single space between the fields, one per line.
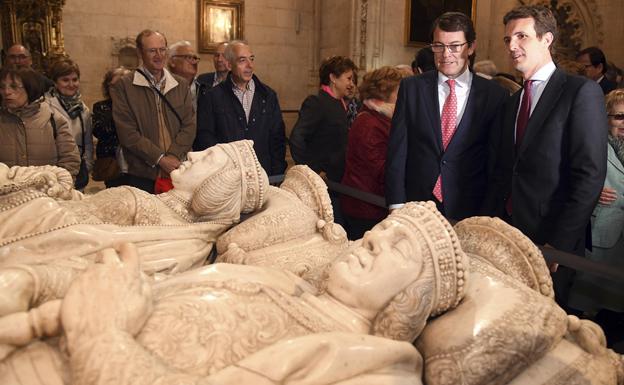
x=508 y=150
x=548 y=100
x=613 y=159
x=432 y=107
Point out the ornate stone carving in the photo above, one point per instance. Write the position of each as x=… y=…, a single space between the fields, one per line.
x=580 y=25
x=294 y=231
x=124 y=52
x=36 y=24
x=210 y=321
x=43 y=220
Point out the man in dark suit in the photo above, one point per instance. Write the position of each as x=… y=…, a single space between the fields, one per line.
x=443 y=127
x=594 y=65
x=211 y=79
x=553 y=150
x=242 y=107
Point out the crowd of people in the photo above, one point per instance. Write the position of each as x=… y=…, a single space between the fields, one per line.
x=544 y=153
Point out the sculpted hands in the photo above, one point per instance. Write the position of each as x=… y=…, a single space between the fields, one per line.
x=111 y=296
x=608 y=195
x=56 y=181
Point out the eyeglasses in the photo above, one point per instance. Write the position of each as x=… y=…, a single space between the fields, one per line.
x=454 y=48
x=153 y=51
x=189 y=58
x=12 y=87
x=616 y=116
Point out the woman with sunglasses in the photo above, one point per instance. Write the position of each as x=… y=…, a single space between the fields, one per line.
x=30 y=133
x=598 y=297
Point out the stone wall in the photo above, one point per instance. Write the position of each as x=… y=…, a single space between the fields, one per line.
x=289 y=37
x=279 y=32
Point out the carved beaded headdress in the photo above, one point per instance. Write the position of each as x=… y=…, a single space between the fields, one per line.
x=253 y=177
x=449 y=261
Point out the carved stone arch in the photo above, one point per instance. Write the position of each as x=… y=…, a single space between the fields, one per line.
x=580 y=25
x=124 y=53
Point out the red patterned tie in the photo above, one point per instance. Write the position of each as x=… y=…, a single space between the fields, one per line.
x=521 y=123
x=449 y=124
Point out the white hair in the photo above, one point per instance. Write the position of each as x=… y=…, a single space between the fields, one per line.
x=173 y=48
x=229 y=53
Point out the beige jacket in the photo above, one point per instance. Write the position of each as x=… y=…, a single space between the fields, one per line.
x=76 y=128
x=136 y=119
x=27 y=138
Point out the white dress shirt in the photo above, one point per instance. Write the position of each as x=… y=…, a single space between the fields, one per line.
x=540 y=80
x=462 y=89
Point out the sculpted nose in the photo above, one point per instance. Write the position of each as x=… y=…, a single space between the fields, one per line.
x=371 y=242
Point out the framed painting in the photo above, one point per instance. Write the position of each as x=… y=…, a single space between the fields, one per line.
x=219 y=21
x=420 y=15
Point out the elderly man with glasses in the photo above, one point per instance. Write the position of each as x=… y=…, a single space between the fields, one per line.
x=443 y=127
x=19 y=56
x=153 y=113
x=183 y=62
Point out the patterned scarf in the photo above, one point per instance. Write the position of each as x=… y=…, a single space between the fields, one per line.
x=618 y=145
x=71 y=104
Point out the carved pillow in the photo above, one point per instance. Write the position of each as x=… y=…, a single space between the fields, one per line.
x=500 y=328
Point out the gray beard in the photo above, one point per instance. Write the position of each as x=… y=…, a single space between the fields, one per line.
x=618 y=145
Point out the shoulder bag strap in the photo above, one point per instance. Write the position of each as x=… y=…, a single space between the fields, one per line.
x=161 y=95
x=53 y=123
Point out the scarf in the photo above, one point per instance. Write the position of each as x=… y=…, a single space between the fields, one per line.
x=618 y=145
x=386 y=109
x=71 y=104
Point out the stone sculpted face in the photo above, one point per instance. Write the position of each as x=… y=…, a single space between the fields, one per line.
x=368 y=275
x=198 y=166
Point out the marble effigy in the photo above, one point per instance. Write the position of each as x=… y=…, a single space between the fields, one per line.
x=299 y=304
x=50 y=232
x=508 y=329
x=293 y=231
x=212 y=324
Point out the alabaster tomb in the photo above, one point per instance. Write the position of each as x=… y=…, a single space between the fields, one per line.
x=415 y=301
x=50 y=232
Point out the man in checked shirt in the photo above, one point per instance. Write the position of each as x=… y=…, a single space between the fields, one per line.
x=242 y=107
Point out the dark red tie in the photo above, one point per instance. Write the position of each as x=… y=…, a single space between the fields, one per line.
x=521 y=124
x=524 y=113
